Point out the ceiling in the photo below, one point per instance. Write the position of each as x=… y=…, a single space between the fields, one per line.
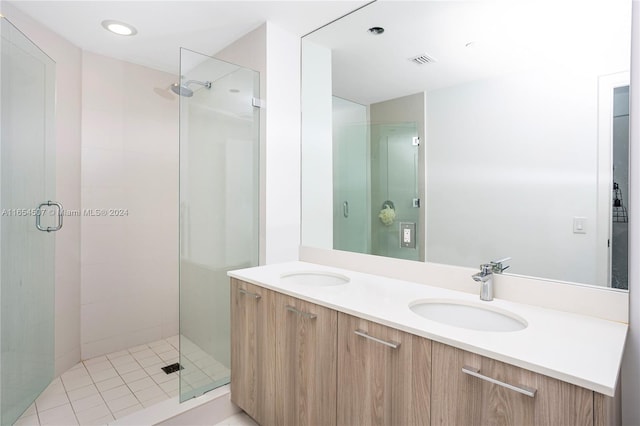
x=505 y=35
x=165 y=26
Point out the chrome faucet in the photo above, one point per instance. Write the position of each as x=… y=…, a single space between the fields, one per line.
x=496 y=265
x=485 y=278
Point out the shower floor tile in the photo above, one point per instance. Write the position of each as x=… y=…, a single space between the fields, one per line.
x=98 y=390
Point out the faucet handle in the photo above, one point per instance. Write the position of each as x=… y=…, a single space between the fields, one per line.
x=496 y=265
x=486 y=268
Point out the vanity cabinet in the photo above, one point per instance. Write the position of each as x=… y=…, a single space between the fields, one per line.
x=283 y=357
x=305 y=362
x=384 y=375
x=298 y=363
x=465 y=391
x=253 y=334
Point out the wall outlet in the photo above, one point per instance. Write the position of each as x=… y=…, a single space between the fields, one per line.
x=407 y=235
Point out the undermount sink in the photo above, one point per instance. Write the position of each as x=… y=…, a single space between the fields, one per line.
x=314 y=278
x=468 y=315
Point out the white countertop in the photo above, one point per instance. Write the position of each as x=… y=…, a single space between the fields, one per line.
x=578 y=349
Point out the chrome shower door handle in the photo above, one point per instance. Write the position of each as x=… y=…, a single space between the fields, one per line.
x=345 y=209
x=39 y=215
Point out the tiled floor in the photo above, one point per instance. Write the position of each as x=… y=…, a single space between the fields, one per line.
x=105 y=388
x=240 y=419
x=200 y=369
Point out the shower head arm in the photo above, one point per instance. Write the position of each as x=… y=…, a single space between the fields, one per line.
x=206 y=84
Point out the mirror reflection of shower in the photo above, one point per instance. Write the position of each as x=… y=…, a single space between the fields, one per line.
x=619 y=242
x=184 y=90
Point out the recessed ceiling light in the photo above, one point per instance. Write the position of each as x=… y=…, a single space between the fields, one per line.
x=376 y=30
x=120 y=28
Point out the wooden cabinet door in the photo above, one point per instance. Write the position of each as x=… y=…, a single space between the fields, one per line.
x=384 y=375
x=608 y=410
x=459 y=398
x=305 y=363
x=253 y=351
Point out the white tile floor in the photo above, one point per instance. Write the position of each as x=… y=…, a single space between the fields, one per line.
x=105 y=388
x=200 y=369
x=240 y=419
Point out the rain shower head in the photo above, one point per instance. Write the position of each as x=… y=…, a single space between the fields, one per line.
x=184 y=90
x=181 y=90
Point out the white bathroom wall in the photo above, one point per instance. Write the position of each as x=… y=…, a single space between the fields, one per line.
x=275 y=53
x=530 y=180
x=130 y=162
x=317 y=158
x=68 y=114
x=283 y=146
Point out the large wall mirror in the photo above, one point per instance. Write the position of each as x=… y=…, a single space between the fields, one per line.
x=461 y=132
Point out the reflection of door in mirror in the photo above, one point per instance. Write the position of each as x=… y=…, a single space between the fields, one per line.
x=375 y=180
x=394 y=186
x=619 y=230
x=613 y=179
x=351 y=222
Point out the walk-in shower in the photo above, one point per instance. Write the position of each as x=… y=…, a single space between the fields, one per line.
x=219 y=140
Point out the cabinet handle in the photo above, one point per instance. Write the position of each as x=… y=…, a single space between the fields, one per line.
x=248 y=293
x=302 y=314
x=392 y=345
x=475 y=372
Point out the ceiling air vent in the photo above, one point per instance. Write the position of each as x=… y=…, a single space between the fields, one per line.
x=422 y=59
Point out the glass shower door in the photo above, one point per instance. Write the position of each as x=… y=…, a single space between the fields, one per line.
x=219 y=158
x=27 y=179
x=351 y=177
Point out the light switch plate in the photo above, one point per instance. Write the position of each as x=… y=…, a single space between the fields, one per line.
x=579 y=225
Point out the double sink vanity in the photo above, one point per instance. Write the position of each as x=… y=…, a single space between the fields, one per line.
x=434 y=134
x=320 y=345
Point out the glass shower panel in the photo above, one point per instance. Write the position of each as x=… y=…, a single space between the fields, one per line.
x=27 y=178
x=351 y=181
x=219 y=159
